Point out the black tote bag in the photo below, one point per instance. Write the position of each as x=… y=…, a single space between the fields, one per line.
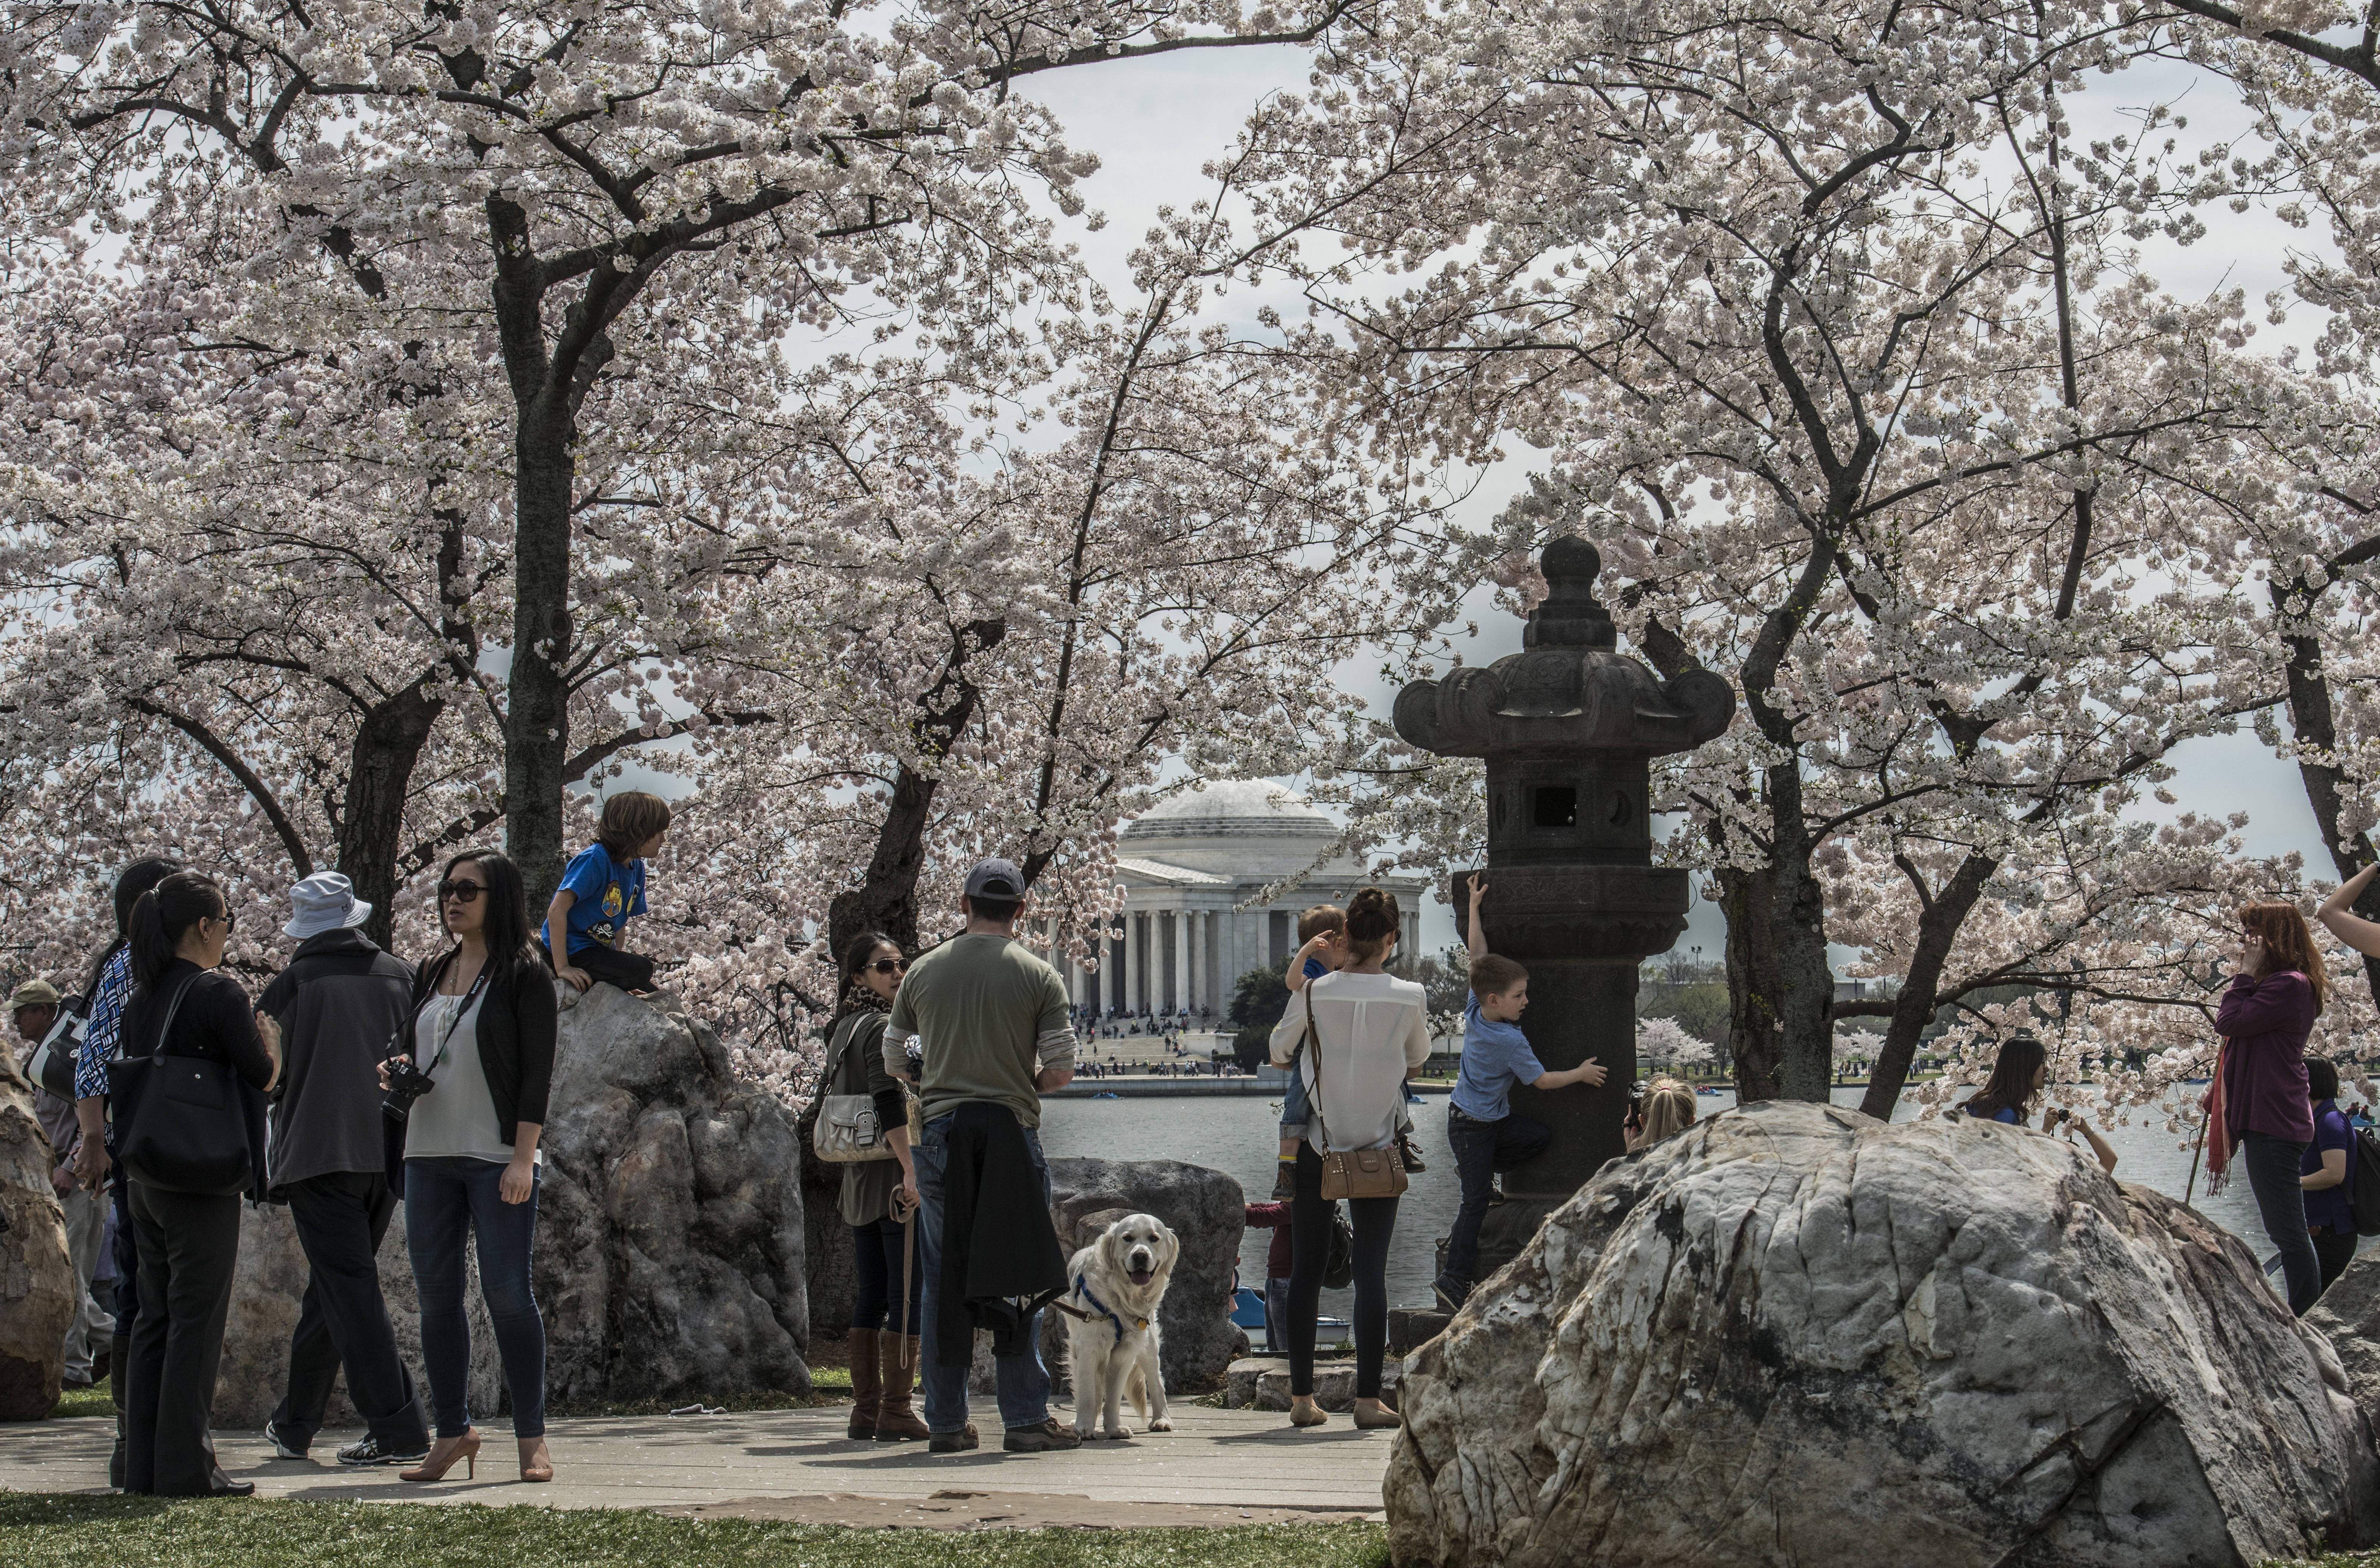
x=182 y=1121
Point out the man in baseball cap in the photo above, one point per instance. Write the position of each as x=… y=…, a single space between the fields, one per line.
x=996 y=1036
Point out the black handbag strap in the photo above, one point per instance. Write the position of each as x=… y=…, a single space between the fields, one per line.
x=1314 y=1048
x=173 y=1005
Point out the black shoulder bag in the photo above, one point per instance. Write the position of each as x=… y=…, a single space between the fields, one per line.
x=181 y=1122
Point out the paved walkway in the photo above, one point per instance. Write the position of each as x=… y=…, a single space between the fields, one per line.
x=1217 y=1466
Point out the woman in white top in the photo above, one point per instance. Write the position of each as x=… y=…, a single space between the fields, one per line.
x=1369 y=1030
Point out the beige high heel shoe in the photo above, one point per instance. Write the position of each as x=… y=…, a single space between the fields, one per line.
x=434 y=1468
x=537 y=1465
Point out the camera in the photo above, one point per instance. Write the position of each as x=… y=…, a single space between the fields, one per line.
x=407 y=1083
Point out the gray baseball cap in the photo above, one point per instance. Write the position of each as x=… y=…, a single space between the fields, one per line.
x=995 y=879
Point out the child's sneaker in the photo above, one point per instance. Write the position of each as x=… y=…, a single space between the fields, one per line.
x=1410 y=1153
x=1284 y=1180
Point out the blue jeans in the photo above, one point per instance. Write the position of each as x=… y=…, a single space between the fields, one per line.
x=2273 y=1167
x=1023 y=1382
x=1294 y=1112
x=1482 y=1148
x=446 y=1201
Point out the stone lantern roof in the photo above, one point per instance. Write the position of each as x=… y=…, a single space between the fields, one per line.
x=1568 y=690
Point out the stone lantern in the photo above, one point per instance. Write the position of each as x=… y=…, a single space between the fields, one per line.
x=1568 y=727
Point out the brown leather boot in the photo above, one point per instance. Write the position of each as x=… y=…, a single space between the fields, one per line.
x=897 y=1422
x=867 y=1390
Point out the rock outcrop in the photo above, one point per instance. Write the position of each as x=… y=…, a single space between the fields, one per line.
x=2348 y=1316
x=37 y=1282
x=669 y=1245
x=1795 y=1334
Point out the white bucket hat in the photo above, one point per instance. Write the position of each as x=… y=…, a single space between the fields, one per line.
x=324 y=902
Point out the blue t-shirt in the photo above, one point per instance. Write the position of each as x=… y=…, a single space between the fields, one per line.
x=1495 y=1057
x=2331 y=1206
x=2005 y=1114
x=607 y=894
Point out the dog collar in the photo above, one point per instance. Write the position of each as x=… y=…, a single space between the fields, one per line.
x=1083 y=1285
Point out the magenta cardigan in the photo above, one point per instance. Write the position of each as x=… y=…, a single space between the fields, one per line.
x=2265 y=1087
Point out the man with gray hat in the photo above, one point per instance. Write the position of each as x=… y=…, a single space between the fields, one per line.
x=338 y=1003
x=37 y=1009
x=996 y=1035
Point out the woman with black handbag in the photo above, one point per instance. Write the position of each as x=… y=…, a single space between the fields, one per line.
x=189 y=1109
x=1363 y=1031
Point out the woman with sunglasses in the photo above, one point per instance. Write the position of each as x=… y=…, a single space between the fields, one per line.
x=879 y=1198
x=482 y=1030
x=183 y=1005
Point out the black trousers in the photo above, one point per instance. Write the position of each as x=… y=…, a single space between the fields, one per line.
x=341 y=1220
x=2273 y=1165
x=1374 y=1220
x=2333 y=1250
x=189 y=1246
x=128 y=1276
x=877 y=1248
x=629 y=971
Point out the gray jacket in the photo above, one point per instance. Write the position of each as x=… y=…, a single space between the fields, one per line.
x=338 y=1003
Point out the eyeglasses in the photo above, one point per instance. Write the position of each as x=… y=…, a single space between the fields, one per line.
x=889 y=965
x=461 y=892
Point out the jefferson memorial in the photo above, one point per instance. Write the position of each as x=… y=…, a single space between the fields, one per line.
x=1193 y=870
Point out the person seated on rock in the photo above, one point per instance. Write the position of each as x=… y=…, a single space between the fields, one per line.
x=2020 y=1073
x=2326 y=1172
x=603 y=889
x=1666 y=1110
x=1481 y=1129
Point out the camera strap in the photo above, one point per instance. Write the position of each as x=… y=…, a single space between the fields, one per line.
x=462 y=1006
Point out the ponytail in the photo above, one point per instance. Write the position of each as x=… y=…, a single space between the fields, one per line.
x=161 y=916
x=1371 y=923
x=138 y=879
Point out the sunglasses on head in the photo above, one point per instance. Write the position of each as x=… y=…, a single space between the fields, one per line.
x=461 y=892
x=889 y=965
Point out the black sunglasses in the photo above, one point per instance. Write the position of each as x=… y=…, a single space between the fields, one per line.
x=230 y=918
x=461 y=892
x=889 y=965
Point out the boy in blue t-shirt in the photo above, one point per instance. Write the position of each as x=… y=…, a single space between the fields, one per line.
x=601 y=890
x=1480 y=1127
x=1323 y=931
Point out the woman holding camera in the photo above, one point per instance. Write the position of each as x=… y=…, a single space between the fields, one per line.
x=482 y=1030
x=2019 y=1075
x=879 y=1201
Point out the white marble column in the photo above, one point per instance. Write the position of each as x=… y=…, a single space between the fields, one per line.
x=1104 y=981
x=1128 y=920
x=1181 y=990
x=1194 y=930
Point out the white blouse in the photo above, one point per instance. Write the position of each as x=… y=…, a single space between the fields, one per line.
x=1371 y=1030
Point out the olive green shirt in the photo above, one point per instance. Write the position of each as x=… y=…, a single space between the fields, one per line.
x=989 y=1015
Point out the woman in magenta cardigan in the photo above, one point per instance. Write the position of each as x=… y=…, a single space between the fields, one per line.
x=2266 y=1016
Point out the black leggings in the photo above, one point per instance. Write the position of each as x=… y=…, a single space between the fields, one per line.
x=2272 y=1165
x=877 y=1250
x=1374 y=1220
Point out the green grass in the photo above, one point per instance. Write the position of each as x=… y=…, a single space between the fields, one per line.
x=75 y=1532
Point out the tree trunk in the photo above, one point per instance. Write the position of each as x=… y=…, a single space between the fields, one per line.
x=1754 y=980
x=886 y=900
x=1937 y=928
x=2316 y=724
x=536 y=718
x=379 y=780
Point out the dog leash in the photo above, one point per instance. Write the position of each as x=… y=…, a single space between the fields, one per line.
x=1101 y=1309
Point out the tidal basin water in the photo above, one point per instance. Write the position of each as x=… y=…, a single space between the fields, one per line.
x=1237 y=1134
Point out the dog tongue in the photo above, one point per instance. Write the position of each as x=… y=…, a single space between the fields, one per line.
x=1139 y=1276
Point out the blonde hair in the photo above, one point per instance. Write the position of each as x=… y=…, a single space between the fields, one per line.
x=1321 y=917
x=1669 y=1108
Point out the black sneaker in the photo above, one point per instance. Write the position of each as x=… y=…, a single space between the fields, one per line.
x=283 y=1448
x=1042 y=1436
x=953 y=1442
x=1450 y=1300
x=1284 y=1181
x=369 y=1453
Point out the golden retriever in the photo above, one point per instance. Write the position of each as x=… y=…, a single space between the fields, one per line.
x=1115 y=1285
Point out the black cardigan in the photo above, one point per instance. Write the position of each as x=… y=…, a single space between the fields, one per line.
x=516 y=1029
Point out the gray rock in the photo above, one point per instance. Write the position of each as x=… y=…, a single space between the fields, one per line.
x=2349 y=1315
x=669 y=1245
x=37 y=1282
x=830 y=1272
x=1794 y=1334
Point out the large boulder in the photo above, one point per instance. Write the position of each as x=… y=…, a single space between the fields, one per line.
x=669 y=1243
x=1794 y=1334
x=2348 y=1316
x=37 y=1281
x=829 y=1270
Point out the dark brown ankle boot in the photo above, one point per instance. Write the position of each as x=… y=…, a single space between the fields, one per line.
x=866 y=1392
x=896 y=1356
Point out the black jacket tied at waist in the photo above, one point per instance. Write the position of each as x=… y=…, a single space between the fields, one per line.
x=1000 y=1259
